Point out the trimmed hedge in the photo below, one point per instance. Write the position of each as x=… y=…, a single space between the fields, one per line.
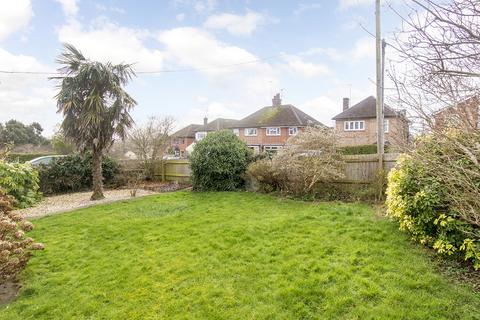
x=219 y=161
x=74 y=173
x=24 y=157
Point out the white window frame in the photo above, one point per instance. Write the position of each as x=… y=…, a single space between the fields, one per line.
x=250 y=134
x=278 y=131
x=271 y=148
x=236 y=132
x=200 y=135
x=292 y=131
x=358 y=125
x=386 y=125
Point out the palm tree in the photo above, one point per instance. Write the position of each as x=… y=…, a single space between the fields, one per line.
x=94 y=105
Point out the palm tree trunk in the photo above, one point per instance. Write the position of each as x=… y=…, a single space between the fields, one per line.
x=97 y=176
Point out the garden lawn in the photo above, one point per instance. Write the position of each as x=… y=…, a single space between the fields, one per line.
x=231 y=256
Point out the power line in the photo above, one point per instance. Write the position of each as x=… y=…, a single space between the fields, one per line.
x=153 y=71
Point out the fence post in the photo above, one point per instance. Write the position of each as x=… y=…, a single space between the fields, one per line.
x=163 y=165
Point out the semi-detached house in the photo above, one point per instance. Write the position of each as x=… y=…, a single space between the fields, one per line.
x=267 y=129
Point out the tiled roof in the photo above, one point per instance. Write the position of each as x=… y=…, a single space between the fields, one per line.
x=218 y=124
x=283 y=115
x=365 y=109
x=188 y=131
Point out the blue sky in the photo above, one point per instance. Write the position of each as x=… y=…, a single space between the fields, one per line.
x=314 y=52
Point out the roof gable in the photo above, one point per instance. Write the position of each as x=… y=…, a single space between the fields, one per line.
x=367 y=108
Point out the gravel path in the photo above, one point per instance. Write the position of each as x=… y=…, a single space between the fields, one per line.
x=68 y=202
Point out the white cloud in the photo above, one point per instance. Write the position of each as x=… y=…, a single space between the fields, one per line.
x=198 y=49
x=241 y=88
x=302 y=8
x=26 y=97
x=200 y=6
x=346 y=4
x=107 y=41
x=103 y=8
x=297 y=65
x=330 y=103
x=14 y=15
x=239 y=25
x=180 y=17
x=364 y=49
x=69 y=7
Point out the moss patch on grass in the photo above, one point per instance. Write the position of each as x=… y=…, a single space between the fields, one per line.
x=231 y=256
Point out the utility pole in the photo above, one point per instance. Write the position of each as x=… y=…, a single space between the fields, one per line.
x=379 y=84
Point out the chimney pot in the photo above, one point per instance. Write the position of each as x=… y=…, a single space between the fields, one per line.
x=205 y=121
x=276 y=101
x=346 y=103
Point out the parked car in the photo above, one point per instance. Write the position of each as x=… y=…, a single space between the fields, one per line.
x=44 y=160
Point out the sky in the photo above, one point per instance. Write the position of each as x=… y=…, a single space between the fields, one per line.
x=216 y=58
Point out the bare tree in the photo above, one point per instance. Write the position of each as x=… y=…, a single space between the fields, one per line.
x=438 y=63
x=151 y=141
x=437 y=78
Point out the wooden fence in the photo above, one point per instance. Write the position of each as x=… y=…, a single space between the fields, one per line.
x=363 y=168
x=359 y=169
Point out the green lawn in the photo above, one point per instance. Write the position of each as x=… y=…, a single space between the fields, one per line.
x=232 y=256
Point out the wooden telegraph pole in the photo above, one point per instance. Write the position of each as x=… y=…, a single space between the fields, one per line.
x=379 y=84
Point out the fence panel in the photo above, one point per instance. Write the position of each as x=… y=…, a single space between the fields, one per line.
x=358 y=168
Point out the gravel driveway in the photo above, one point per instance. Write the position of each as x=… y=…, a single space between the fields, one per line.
x=68 y=202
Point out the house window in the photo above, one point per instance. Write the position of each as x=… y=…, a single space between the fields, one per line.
x=236 y=132
x=274 y=131
x=354 y=125
x=271 y=149
x=249 y=132
x=292 y=131
x=386 y=125
x=200 y=135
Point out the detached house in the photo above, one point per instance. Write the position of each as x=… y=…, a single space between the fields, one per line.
x=357 y=125
x=264 y=130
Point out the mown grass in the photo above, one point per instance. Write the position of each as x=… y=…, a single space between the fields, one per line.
x=232 y=256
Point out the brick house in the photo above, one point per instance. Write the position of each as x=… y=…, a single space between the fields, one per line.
x=465 y=114
x=357 y=125
x=264 y=130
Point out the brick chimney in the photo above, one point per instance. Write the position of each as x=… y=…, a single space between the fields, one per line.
x=276 y=101
x=205 y=121
x=346 y=103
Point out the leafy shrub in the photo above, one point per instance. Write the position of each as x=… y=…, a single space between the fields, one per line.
x=15 y=247
x=19 y=181
x=429 y=193
x=310 y=161
x=218 y=162
x=74 y=173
